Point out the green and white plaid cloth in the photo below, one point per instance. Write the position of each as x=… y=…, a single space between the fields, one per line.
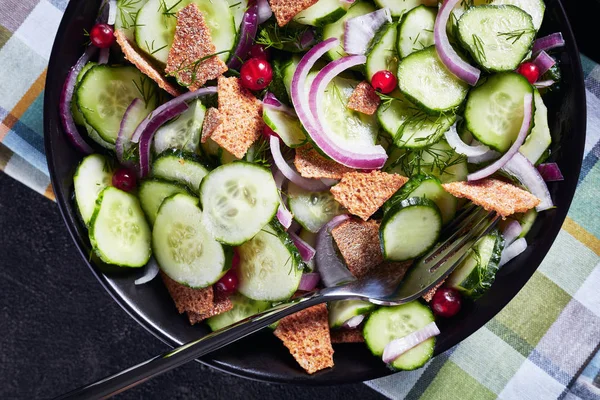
x=538 y=347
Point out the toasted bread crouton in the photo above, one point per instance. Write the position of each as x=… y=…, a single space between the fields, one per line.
x=190 y=59
x=359 y=245
x=212 y=120
x=362 y=193
x=306 y=335
x=221 y=304
x=285 y=10
x=364 y=99
x=198 y=301
x=310 y=164
x=429 y=295
x=494 y=195
x=241 y=113
x=347 y=336
x=142 y=63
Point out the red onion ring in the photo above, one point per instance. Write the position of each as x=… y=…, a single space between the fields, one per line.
x=150 y=272
x=264 y=11
x=455 y=64
x=126 y=129
x=510 y=252
x=461 y=147
x=360 y=31
x=112 y=12
x=354 y=322
x=103 y=56
x=544 y=62
x=548 y=42
x=397 y=347
x=248 y=29
x=514 y=149
x=511 y=232
x=309 y=281
x=544 y=84
x=284 y=216
x=272 y=102
x=520 y=167
x=550 y=172
x=64 y=105
x=305 y=249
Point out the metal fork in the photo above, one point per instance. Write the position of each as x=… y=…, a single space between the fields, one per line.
x=384 y=286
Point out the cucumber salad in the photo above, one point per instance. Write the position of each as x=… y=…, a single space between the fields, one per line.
x=246 y=151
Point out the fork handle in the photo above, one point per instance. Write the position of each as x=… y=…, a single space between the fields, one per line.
x=142 y=372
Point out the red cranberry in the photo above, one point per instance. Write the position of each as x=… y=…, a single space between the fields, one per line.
x=446 y=302
x=256 y=74
x=384 y=81
x=124 y=179
x=530 y=71
x=102 y=36
x=260 y=51
x=228 y=283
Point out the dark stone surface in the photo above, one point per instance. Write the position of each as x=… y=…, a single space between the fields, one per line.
x=60 y=329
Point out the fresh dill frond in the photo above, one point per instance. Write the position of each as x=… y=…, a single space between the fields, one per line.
x=515 y=35
x=478 y=44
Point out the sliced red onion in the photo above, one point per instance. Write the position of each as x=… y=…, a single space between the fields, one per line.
x=514 y=149
x=103 y=56
x=520 y=167
x=312 y=185
x=272 y=102
x=360 y=31
x=309 y=281
x=306 y=250
x=333 y=271
x=264 y=11
x=156 y=121
x=455 y=64
x=102 y=17
x=544 y=62
x=348 y=1
x=544 y=84
x=284 y=216
x=548 y=42
x=128 y=124
x=307 y=39
x=150 y=272
x=461 y=147
x=329 y=182
x=510 y=252
x=511 y=232
x=247 y=34
x=112 y=12
x=354 y=322
x=169 y=104
x=64 y=105
x=295 y=227
x=370 y=158
x=397 y=347
x=489 y=156
x=550 y=172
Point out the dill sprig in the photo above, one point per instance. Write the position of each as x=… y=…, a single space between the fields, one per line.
x=168 y=11
x=427 y=160
x=128 y=11
x=515 y=35
x=386 y=101
x=478 y=44
x=193 y=68
x=151 y=49
x=279 y=38
x=145 y=88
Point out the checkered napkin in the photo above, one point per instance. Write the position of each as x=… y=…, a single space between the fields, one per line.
x=538 y=347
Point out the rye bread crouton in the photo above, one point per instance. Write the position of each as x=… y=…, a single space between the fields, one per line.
x=221 y=304
x=362 y=193
x=212 y=120
x=241 y=113
x=198 y=301
x=364 y=99
x=285 y=10
x=359 y=245
x=306 y=335
x=190 y=60
x=494 y=195
x=339 y=336
x=310 y=164
x=142 y=63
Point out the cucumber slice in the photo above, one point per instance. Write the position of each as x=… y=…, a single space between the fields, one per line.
x=475 y=275
x=119 y=232
x=430 y=188
x=383 y=55
x=416 y=30
x=341 y=311
x=95 y=136
x=389 y=323
x=494 y=111
x=243 y=308
x=535 y=8
x=127 y=11
x=410 y=229
x=238 y=9
x=77 y=115
x=399 y=8
x=497 y=37
x=410 y=127
x=152 y=192
x=182 y=132
x=438 y=160
x=157 y=19
x=238 y=200
x=180 y=167
x=336 y=29
x=91 y=177
x=539 y=140
x=425 y=80
x=105 y=92
x=527 y=220
x=287 y=126
x=312 y=210
x=323 y=12
x=183 y=248
x=268 y=268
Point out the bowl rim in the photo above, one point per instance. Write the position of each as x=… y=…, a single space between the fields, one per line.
x=558 y=218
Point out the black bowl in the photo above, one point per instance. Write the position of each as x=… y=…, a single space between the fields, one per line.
x=262 y=356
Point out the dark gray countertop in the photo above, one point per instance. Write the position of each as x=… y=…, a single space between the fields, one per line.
x=60 y=329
